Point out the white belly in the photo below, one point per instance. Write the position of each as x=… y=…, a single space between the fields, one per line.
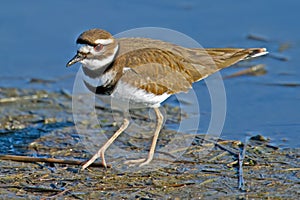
x=139 y=97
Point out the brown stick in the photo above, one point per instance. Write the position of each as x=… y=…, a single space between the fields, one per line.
x=241 y=158
x=46 y=160
x=32 y=97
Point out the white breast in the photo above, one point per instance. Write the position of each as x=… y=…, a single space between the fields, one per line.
x=137 y=96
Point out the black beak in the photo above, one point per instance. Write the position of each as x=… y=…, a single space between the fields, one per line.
x=77 y=58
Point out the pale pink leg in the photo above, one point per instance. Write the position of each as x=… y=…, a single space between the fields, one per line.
x=102 y=150
x=159 y=124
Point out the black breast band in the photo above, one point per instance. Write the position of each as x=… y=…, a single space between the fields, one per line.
x=104 y=90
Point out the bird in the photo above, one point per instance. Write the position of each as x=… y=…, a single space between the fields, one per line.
x=146 y=71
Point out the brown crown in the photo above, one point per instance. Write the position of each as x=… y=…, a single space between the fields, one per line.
x=90 y=36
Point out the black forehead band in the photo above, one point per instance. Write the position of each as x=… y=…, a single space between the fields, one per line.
x=82 y=41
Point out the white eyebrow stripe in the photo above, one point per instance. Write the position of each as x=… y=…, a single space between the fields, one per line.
x=104 y=41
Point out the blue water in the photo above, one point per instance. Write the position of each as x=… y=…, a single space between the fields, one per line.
x=37 y=39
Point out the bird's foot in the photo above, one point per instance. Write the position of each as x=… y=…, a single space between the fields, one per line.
x=99 y=154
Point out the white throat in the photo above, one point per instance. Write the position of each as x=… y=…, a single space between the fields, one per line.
x=95 y=64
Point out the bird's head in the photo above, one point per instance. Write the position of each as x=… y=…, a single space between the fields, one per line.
x=97 y=48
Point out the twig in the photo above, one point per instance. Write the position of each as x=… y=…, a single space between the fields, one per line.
x=287 y=84
x=126 y=188
x=290 y=169
x=278 y=57
x=57 y=195
x=218 y=144
x=41 y=81
x=257 y=37
x=241 y=160
x=31 y=188
x=31 y=97
x=228 y=149
x=241 y=178
x=218 y=156
x=254 y=70
x=46 y=160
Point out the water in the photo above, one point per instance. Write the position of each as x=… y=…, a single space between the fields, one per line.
x=37 y=39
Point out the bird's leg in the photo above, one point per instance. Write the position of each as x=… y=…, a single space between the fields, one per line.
x=102 y=150
x=145 y=161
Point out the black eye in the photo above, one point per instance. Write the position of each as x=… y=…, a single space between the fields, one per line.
x=98 y=48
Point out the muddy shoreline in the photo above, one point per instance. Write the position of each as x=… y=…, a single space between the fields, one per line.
x=39 y=124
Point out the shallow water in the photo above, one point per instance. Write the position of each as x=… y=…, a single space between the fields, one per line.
x=37 y=39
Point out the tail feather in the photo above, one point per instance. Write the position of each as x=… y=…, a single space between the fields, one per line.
x=216 y=59
x=224 y=57
x=257 y=52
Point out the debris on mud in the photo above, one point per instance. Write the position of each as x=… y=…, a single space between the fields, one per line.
x=39 y=124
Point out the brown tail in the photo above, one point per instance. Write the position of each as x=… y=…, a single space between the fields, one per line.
x=208 y=61
x=225 y=57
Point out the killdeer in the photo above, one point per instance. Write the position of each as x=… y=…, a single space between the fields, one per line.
x=146 y=71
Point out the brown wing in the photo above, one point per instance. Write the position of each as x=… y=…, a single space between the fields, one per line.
x=160 y=67
x=156 y=70
x=212 y=58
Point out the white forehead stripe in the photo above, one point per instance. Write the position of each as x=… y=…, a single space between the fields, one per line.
x=104 y=41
